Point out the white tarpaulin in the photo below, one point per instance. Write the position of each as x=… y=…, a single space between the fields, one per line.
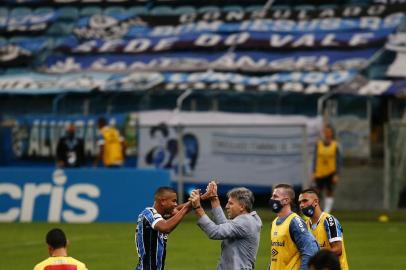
x=246 y=149
x=397 y=43
x=398 y=67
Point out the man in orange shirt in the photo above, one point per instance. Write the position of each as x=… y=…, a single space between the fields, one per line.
x=57 y=249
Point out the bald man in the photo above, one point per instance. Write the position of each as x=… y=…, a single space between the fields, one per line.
x=154 y=225
x=326 y=228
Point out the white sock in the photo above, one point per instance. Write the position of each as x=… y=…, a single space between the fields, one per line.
x=328 y=204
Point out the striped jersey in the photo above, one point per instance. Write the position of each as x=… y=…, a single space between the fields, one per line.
x=326 y=231
x=151 y=244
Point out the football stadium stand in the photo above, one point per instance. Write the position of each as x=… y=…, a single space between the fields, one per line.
x=237 y=55
x=282 y=57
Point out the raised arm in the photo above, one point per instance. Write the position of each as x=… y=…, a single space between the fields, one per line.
x=231 y=229
x=211 y=194
x=166 y=226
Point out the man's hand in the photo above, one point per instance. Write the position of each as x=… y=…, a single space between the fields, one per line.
x=335 y=179
x=211 y=191
x=194 y=199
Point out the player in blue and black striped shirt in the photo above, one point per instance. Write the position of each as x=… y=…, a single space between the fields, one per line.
x=153 y=229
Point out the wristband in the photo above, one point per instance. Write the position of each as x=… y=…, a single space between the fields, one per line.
x=197 y=207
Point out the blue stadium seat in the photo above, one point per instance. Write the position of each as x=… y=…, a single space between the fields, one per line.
x=402 y=27
x=32 y=40
x=60 y=29
x=305 y=7
x=14 y=71
x=251 y=8
x=90 y=11
x=232 y=8
x=162 y=10
x=184 y=10
x=138 y=10
x=68 y=13
x=51 y=43
x=330 y=6
x=3 y=41
x=3 y=12
x=17 y=39
x=111 y=11
x=20 y=11
x=43 y=10
x=280 y=7
x=208 y=9
x=60 y=41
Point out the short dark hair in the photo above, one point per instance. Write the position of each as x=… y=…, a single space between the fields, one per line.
x=289 y=190
x=311 y=191
x=161 y=190
x=324 y=260
x=56 y=238
x=102 y=121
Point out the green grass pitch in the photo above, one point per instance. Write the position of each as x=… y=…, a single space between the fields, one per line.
x=107 y=246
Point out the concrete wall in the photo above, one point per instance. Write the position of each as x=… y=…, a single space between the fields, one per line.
x=360 y=188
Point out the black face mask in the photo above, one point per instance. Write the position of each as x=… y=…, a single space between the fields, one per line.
x=276 y=206
x=308 y=211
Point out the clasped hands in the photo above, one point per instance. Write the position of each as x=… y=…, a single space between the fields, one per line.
x=196 y=197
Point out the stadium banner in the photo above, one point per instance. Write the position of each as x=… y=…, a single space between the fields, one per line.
x=113 y=1
x=397 y=42
x=34 y=138
x=96 y=1
x=120 y=26
x=38 y=83
x=248 y=61
x=240 y=149
x=377 y=87
x=359 y=85
x=353 y=134
x=319 y=12
x=13 y=55
x=77 y=195
x=242 y=40
x=174 y=2
x=27 y=23
x=304 y=82
x=18 y=52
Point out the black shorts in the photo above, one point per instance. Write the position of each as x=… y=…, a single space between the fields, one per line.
x=325 y=183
